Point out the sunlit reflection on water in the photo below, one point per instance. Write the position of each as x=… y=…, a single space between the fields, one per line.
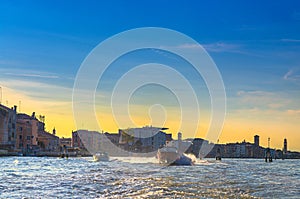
x=30 y=177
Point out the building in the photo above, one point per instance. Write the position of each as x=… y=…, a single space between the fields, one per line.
x=169 y=137
x=89 y=142
x=8 y=119
x=24 y=137
x=145 y=139
x=76 y=141
x=196 y=146
x=285 y=149
x=113 y=138
x=36 y=125
x=256 y=140
x=27 y=130
x=48 y=142
x=32 y=137
x=181 y=145
x=65 y=142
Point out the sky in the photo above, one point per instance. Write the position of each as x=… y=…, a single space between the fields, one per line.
x=255 y=46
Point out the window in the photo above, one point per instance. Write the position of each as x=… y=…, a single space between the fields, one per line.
x=28 y=137
x=20 y=137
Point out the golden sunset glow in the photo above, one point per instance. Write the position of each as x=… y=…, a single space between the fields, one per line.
x=238 y=126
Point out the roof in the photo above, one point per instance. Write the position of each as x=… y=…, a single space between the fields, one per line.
x=25 y=116
x=5 y=108
x=46 y=134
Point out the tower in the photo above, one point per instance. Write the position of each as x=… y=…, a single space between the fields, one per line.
x=179 y=135
x=285 y=145
x=256 y=140
x=179 y=142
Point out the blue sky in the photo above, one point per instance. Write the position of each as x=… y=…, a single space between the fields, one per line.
x=55 y=36
x=255 y=44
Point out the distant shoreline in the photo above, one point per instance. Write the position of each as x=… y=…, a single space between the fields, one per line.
x=79 y=156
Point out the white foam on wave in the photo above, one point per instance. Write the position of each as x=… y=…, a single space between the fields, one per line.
x=142 y=160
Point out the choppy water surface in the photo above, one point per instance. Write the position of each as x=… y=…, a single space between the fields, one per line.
x=32 y=177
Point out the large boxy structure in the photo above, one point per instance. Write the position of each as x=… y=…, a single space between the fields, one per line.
x=143 y=139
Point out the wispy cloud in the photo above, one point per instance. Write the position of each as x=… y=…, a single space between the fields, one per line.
x=266 y=106
x=214 y=47
x=263 y=100
x=293 y=112
x=189 y=46
x=38 y=90
x=291 y=40
x=223 y=47
x=292 y=75
x=33 y=75
x=18 y=72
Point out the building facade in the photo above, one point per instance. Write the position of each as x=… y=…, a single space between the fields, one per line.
x=89 y=142
x=24 y=137
x=145 y=139
x=8 y=119
x=48 y=142
x=65 y=142
x=34 y=122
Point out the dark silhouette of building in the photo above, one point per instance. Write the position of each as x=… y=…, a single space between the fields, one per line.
x=256 y=140
x=285 y=145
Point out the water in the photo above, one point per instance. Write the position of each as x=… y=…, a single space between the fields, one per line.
x=33 y=177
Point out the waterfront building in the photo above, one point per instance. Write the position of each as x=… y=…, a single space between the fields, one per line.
x=76 y=141
x=35 y=125
x=182 y=146
x=24 y=137
x=256 y=148
x=216 y=149
x=8 y=119
x=169 y=137
x=47 y=141
x=65 y=142
x=86 y=141
x=113 y=137
x=145 y=139
x=32 y=137
x=196 y=145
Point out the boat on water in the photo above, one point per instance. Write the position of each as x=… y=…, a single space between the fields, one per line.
x=170 y=156
x=172 y=153
x=101 y=156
